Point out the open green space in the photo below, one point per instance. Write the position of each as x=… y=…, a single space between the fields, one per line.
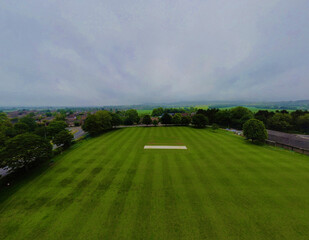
x=109 y=187
x=144 y=111
x=255 y=109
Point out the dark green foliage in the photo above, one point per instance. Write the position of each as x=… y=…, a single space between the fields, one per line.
x=303 y=123
x=264 y=116
x=223 y=118
x=116 y=119
x=240 y=115
x=25 y=150
x=155 y=122
x=132 y=116
x=185 y=120
x=30 y=122
x=199 y=121
x=21 y=127
x=176 y=119
x=97 y=123
x=255 y=130
x=166 y=119
x=128 y=121
x=63 y=139
x=280 y=122
x=147 y=119
x=91 y=125
x=55 y=127
x=156 y=112
x=209 y=113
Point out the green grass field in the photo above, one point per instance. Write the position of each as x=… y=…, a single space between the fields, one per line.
x=255 y=109
x=109 y=187
x=144 y=111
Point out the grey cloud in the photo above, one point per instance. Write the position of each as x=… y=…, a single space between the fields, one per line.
x=126 y=52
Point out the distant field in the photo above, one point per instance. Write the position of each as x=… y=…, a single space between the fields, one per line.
x=141 y=112
x=254 y=109
x=202 y=107
x=109 y=187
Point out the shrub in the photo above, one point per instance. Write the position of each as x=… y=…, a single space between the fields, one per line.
x=255 y=130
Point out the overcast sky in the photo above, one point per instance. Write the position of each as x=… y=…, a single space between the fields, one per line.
x=99 y=52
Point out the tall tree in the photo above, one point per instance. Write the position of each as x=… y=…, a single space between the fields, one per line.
x=166 y=118
x=156 y=112
x=240 y=115
x=177 y=119
x=63 y=139
x=30 y=122
x=147 y=119
x=199 y=120
x=185 y=120
x=132 y=116
x=24 y=150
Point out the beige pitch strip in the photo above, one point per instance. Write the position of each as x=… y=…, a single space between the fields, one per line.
x=164 y=147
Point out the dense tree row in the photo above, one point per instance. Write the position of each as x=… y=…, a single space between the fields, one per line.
x=26 y=143
x=297 y=121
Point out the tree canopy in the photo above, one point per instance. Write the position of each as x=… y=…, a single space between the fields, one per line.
x=166 y=118
x=147 y=119
x=24 y=150
x=255 y=130
x=199 y=121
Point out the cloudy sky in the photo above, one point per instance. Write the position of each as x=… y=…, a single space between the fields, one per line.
x=100 y=52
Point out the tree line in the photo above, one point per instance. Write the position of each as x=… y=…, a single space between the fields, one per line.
x=26 y=143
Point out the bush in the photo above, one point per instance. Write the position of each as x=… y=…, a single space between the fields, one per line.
x=255 y=130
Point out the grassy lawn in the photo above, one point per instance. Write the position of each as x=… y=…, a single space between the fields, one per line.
x=111 y=188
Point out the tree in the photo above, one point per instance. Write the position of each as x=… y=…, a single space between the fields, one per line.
x=30 y=122
x=166 y=119
x=255 y=130
x=116 y=120
x=105 y=120
x=210 y=113
x=91 y=125
x=199 y=120
x=147 y=119
x=128 y=121
x=240 y=115
x=98 y=123
x=155 y=122
x=63 y=138
x=303 y=123
x=280 y=122
x=26 y=149
x=264 y=116
x=176 y=119
x=21 y=128
x=132 y=116
x=185 y=120
x=157 y=112
x=223 y=118
x=55 y=127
